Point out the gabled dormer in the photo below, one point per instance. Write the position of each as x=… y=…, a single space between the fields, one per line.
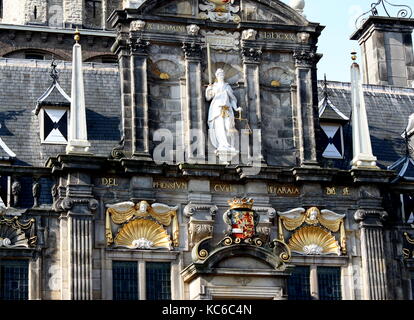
x=332 y=121
x=52 y=109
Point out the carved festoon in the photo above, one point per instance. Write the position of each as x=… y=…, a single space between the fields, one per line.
x=311 y=231
x=141 y=225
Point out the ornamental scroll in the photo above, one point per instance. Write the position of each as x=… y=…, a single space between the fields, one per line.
x=142 y=225
x=16 y=234
x=314 y=236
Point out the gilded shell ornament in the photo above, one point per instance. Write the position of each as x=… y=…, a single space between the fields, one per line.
x=143 y=234
x=314 y=241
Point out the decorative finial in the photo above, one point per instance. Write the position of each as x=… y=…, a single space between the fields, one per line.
x=354 y=55
x=53 y=72
x=325 y=89
x=404 y=11
x=77 y=35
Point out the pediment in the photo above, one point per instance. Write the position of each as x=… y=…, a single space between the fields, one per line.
x=257 y=11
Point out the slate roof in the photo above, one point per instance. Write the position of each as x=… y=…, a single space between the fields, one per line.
x=388 y=109
x=22 y=82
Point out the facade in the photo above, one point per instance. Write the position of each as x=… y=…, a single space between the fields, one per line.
x=186 y=150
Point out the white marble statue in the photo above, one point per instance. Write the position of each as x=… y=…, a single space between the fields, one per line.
x=221 y=114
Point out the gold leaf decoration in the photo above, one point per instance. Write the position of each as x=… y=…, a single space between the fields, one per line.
x=314 y=241
x=143 y=234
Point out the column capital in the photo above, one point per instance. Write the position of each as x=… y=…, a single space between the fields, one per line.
x=192 y=50
x=251 y=54
x=138 y=46
x=370 y=217
x=305 y=58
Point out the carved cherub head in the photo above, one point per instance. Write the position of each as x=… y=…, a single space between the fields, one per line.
x=143 y=206
x=249 y=34
x=312 y=215
x=193 y=29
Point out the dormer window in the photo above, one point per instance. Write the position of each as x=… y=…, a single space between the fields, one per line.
x=333 y=141
x=332 y=121
x=53 y=109
x=54 y=125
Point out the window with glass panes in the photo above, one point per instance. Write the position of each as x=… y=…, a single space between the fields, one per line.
x=329 y=283
x=158 y=280
x=14 y=280
x=299 y=284
x=125 y=280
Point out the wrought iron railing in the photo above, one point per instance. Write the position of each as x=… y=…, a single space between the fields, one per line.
x=404 y=11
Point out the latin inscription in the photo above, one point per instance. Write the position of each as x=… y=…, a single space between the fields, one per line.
x=333 y=191
x=170 y=185
x=283 y=191
x=281 y=36
x=162 y=27
x=223 y=187
x=109 y=182
x=220 y=41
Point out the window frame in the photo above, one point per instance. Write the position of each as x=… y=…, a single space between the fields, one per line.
x=313 y=278
x=341 y=129
x=140 y=257
x=28 y=287
x=42 y=122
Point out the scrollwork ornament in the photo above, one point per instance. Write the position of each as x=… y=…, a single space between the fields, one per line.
x=67 y=204
x=404 y=11
x=227 y=241
x=93 y=204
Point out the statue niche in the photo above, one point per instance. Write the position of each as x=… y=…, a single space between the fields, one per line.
x=221 y=118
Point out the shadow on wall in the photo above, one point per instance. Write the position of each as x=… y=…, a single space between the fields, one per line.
x=101 y=127
x=6 y=116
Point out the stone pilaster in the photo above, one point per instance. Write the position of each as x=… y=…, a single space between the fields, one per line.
x=139 y=96
x=195 y=122
x=305 y=62
x=121 y=50
x=252 y=57
x=76 y=225
x=370 y=216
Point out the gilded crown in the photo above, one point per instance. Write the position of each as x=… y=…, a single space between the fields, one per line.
x=241 y=203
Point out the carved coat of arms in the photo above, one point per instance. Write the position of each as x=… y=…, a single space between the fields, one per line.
x=242 y=220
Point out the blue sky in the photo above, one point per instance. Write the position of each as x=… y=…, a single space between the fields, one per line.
x=338 y=17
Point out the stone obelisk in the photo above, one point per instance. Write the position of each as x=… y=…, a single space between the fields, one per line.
x=78 y=135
